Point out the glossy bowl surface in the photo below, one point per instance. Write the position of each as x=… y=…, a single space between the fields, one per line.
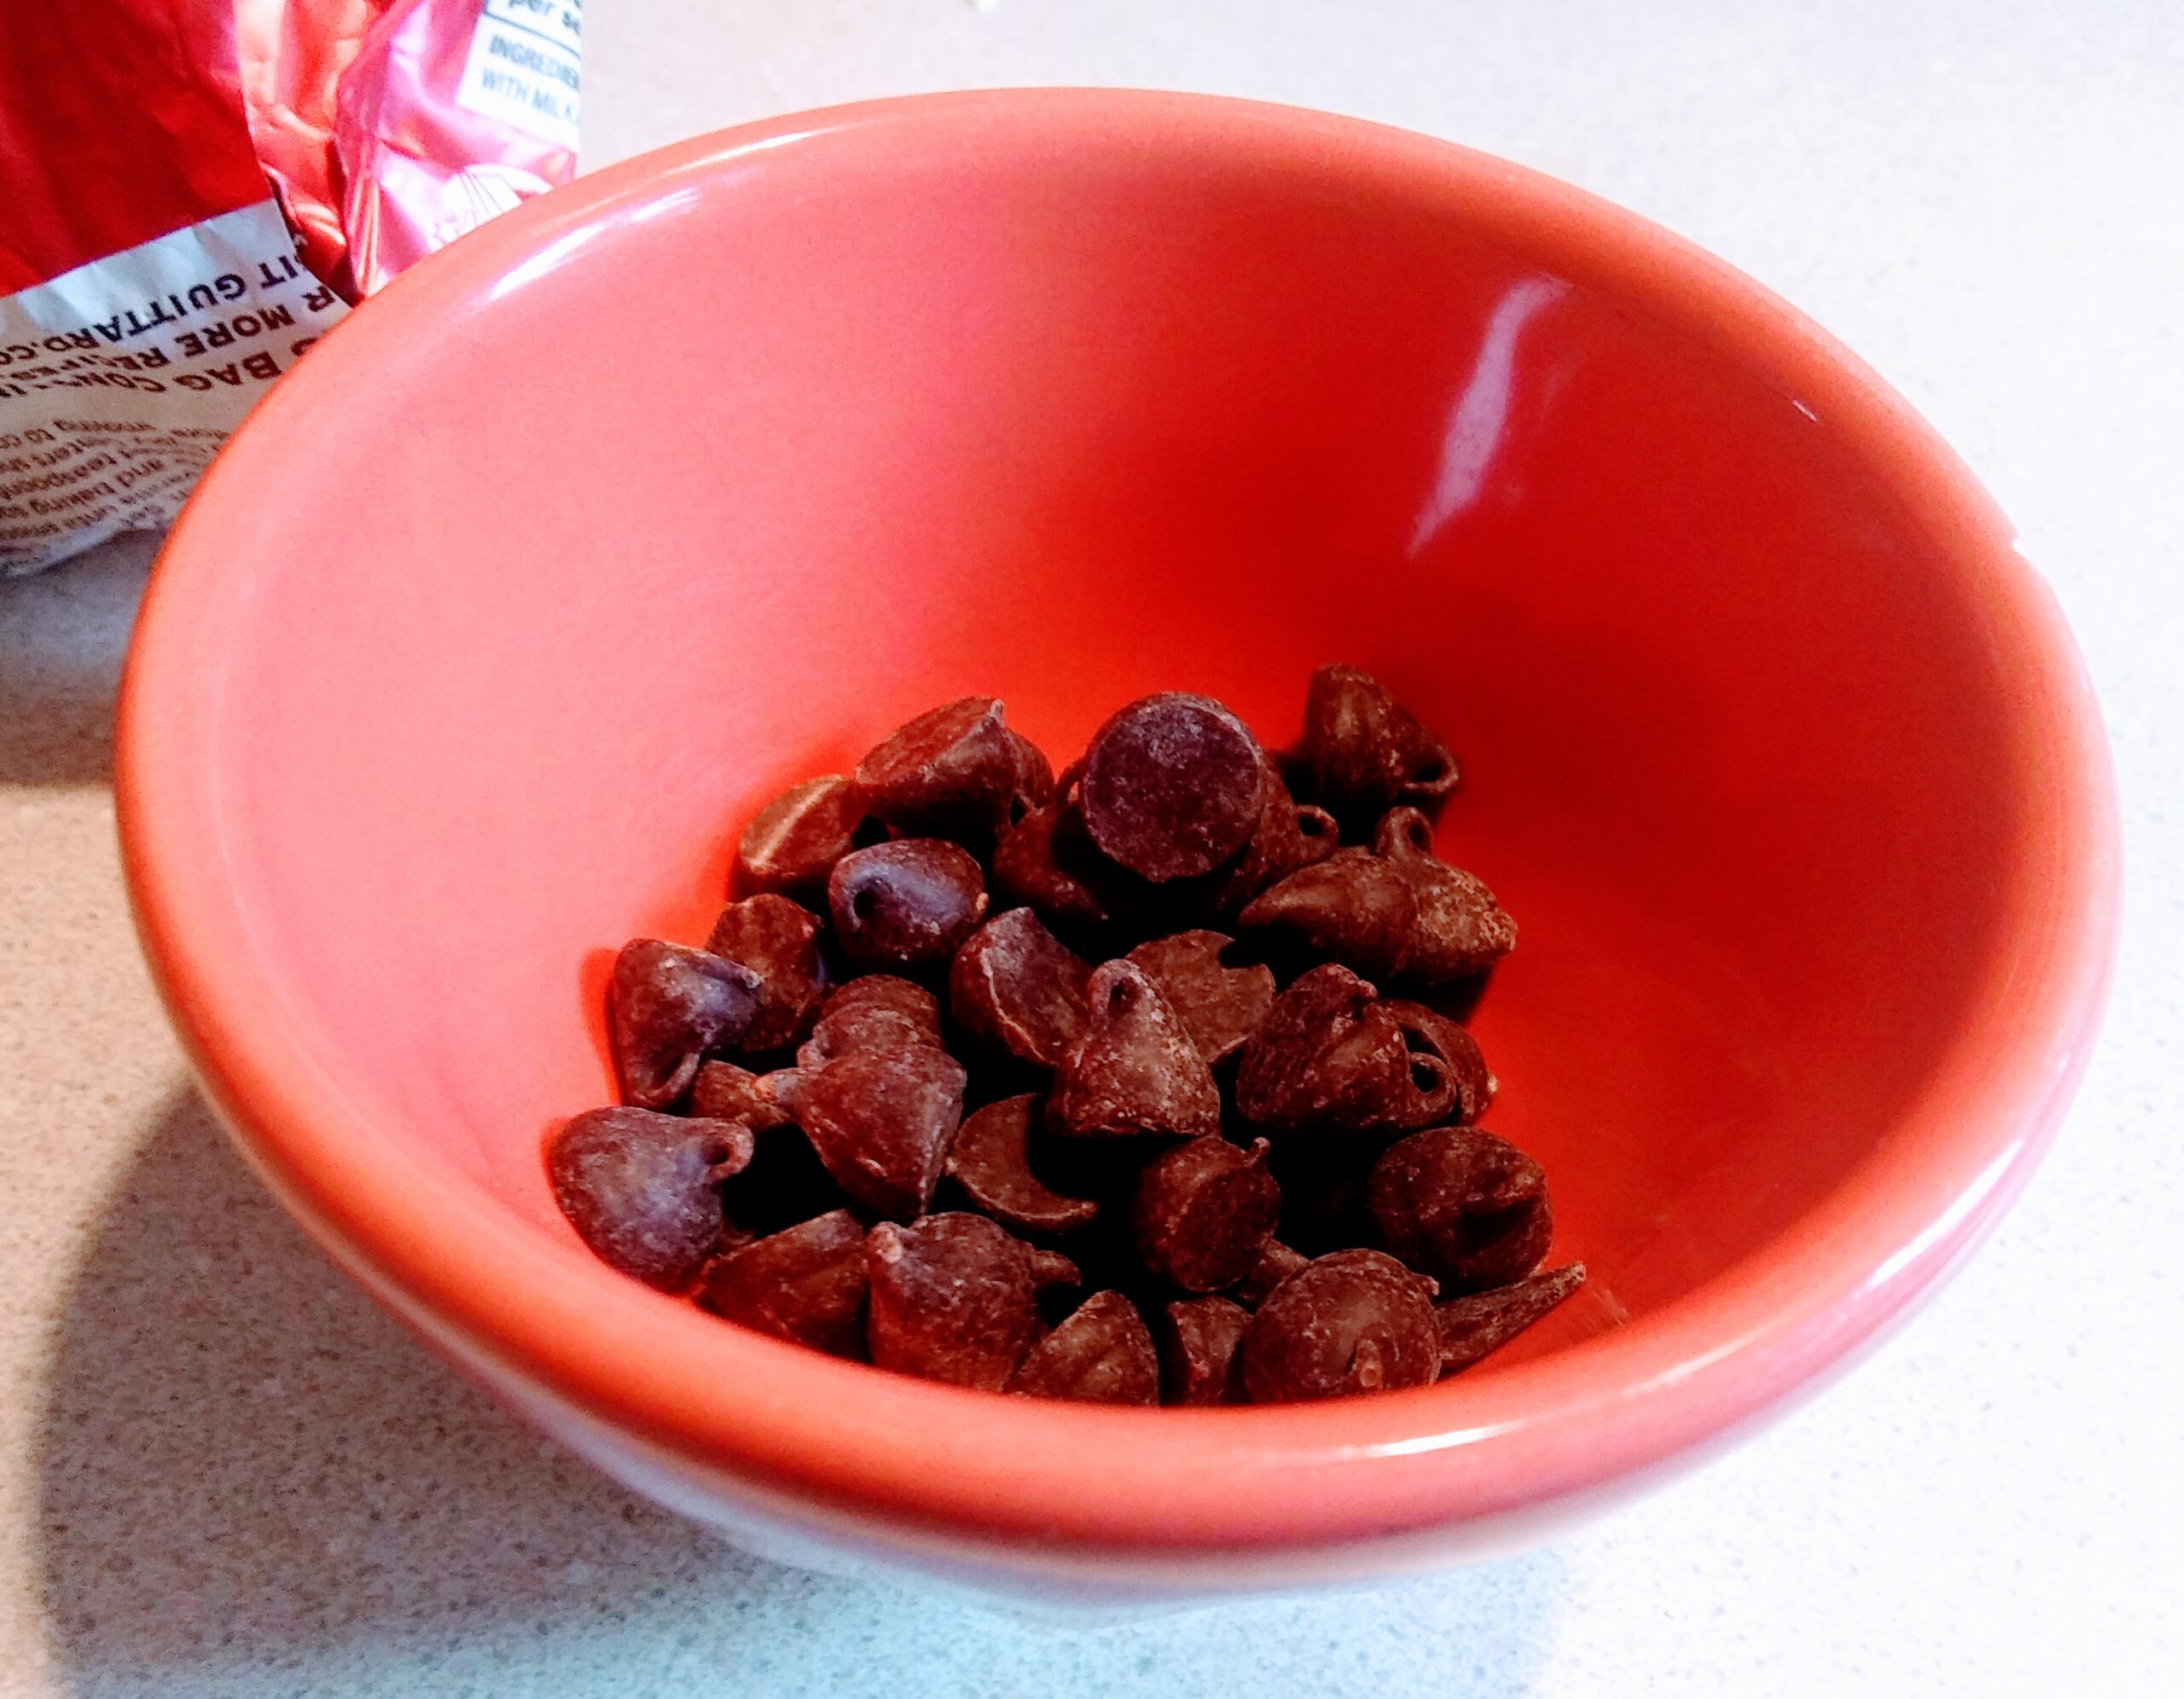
x=496 y=621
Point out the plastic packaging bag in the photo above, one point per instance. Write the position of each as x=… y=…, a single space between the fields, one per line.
x=193 y=191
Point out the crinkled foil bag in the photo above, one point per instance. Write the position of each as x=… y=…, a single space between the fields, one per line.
x=192 y=192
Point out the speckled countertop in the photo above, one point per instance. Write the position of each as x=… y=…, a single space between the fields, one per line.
x=222 y=1472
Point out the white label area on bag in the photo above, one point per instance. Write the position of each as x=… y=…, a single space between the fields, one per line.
x=118 y=379
x=523 y=67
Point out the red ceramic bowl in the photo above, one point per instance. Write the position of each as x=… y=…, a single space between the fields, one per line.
x=502 y=613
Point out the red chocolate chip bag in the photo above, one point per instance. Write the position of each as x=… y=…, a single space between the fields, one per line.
x=193 y=191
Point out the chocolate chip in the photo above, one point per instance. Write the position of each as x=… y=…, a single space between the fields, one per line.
x=1463 y=1206
x=1289 y=836
x=1173 y=786
x=1204 y=1212
x=1135 y=1071
x=778 y=941
x=1331 y=1059
x=667 y=1006
x=1221 y=1006
x=1174 y=830
x=1035 y=780
x=954 y=771
x=1483 y=1322
x=1353 y=907
x=791 y=844
x=1197 y=1339
x=1276 y=1263
x=724 y=1092
x=1354 y=1321
x=1016 y=989
x=806 y=1284
x=640 y=1188
x=908 y=904
x=881 y=1121
x=1430 y=1031
x=1363 y=752
x=990 y=1161
x=1046 y=860
x=1457 y=928
x=954 y=1298
x=879 y=1012
x=1103 y=1354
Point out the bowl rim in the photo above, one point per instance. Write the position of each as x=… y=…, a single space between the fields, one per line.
x=847 y=1440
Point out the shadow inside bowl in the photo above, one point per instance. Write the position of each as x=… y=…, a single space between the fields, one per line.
x=251 y=1481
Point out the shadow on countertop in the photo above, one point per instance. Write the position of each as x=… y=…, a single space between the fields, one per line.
x=251 y=1481
x=62 y=636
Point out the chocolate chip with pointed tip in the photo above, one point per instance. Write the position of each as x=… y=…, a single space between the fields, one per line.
x=907 y=905
x=951 y=772
x=1457 y=928
x=953 y=1298
x=641 y=1188
x=1354 y=1321
x=792 y=844
x=1290 y=835
x=778 y=940
x=725 y=1092
x=1197 y=1339
x=1203 y=1213
x=1475 y=1325
x=1101 y=1354
x=1220 y=1006
x=1135 y=1071
x=1320 y=831
x=1048 y=863
x=1353 y=908
x=1018 y=990
x=990 y=1161
x=877 y=1011
x=1035 y=780
x=1331 y=1059
x=881 y=1121
x=1363 y=752
x=1428 y=1031
x=1463 y=1206
x=1173 y=786
x=667 y=1005
x=805 y=1284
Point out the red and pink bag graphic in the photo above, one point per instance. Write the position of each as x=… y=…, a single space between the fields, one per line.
x=193 y=191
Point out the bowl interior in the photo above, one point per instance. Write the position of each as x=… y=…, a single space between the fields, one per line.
x=553 y=579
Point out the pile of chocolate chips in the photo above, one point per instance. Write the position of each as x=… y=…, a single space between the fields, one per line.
x=1180 y=1030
